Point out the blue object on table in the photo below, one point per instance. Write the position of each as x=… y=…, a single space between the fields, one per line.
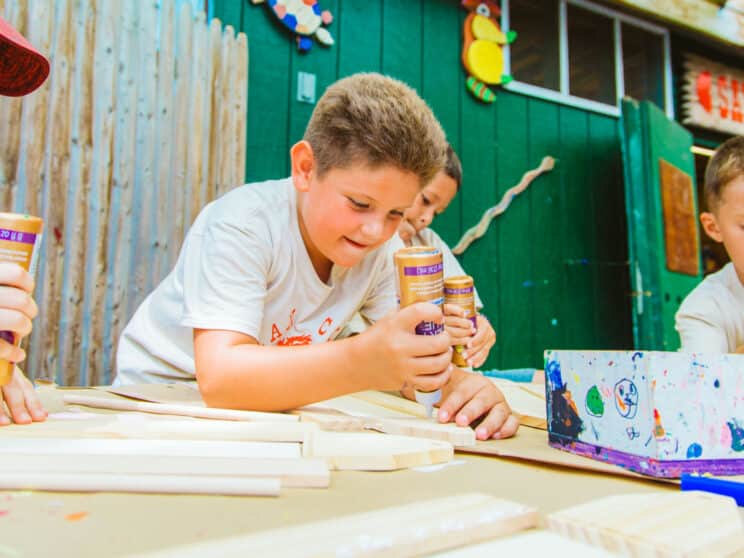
x=734 y=489
x=514 y=374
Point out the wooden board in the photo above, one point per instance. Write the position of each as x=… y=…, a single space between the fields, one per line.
x=149 y=484
x=390 y=417
x=415 y=529
x=683 y=524
x=179 y=393
x=52 y=447
x=367 y=451
x=155 y=427
x=680 y=220
x=526 y=400
x=301 y=472
x=121 y=404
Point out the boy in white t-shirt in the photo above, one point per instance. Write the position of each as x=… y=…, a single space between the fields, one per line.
x=272 y=270
x=711 y=318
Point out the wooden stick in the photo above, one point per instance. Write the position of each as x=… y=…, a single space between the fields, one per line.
x=180 y=410
x=82 y=447
x=301 y=472
x=417 y=529
x=150 y=484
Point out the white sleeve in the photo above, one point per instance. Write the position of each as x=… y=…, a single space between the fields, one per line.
x=225 y=277
x=383 y=297
x=700 y=324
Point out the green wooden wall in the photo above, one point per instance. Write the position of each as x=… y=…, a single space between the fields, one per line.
x=552 y=271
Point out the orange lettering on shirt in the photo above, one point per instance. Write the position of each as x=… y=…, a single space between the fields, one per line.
x=291 y=319
x=328 y=322
x=275 y=333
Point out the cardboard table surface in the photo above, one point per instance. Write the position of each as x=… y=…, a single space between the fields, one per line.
x=104 y=524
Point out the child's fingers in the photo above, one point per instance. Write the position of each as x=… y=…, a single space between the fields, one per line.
x=33 y=404
x=458 y=397
x=13 y=275
x=453 y=310
x=460 y=323
x=494 y=422
x=508 y=429
x=14 y=298
x=478 y=357
x=16 y=321
x=431 y=382
x=458 y=336
x=478 y=405
x=10 y=352
x=411 y=316
x=16 y=402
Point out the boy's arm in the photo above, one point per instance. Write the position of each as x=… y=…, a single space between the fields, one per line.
x=234 y=371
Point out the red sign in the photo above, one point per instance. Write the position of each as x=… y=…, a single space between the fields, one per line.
x=713 y=95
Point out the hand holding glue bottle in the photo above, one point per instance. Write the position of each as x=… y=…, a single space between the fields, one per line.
x=420 y=279
x=20 y=236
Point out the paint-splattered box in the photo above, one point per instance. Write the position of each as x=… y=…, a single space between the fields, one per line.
x=657 y=413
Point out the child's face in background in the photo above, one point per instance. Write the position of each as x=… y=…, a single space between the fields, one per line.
x=726 y=223
x=431 y=201
x=351 y=211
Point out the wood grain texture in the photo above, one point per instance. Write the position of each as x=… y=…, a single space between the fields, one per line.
x=683 y=524
x=418 y=529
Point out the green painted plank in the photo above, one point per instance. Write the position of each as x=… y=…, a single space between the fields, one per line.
x=229 y=12
x=612 y=296
x=321 y=61
x=402 y=42
x=442 y=87
x=579 y=252
x=514 y=246
x=546 y=222
x=270 y=45
x=359 y=39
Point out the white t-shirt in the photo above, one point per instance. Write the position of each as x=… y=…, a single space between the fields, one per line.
x=711 y=318
x=244 y=267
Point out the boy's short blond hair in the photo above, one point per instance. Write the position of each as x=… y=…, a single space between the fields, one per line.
x=376 y=120
x=726 y=165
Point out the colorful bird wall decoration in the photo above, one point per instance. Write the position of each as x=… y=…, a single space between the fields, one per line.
x=482 y=55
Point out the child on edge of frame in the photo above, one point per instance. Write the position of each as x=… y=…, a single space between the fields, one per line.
x=22 y=70
x=711 y=318
x=269 y=274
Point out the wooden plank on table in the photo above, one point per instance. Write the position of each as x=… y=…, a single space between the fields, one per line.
x=417 y=529
x=171 y=409
x=148 y=484
x=298 y=473
x=366 y=451
x=179 y=393
x=659 y=525
x=82 y=448
x=155 y=427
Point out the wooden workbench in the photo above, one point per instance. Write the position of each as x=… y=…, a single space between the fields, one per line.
x=95 y=525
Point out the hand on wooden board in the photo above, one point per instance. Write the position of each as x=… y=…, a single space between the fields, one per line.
x=22 y=405
x=468 y=397
x=17 y=308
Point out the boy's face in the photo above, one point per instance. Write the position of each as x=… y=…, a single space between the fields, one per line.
x=726 y=223
x=431 y=201
x=349 y=211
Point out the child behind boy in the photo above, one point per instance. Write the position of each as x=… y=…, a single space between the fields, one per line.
x=414 y=230
x=271 y=271
x=711 y=318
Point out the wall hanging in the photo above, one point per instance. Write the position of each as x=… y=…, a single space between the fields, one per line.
x=482 y=55
x=303 y=17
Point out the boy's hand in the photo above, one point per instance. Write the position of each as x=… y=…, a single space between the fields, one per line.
x=397 y=356
x=468 y=397
x=477 y=349
x=21 y=400
x=460 y=329
x=17 y=308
